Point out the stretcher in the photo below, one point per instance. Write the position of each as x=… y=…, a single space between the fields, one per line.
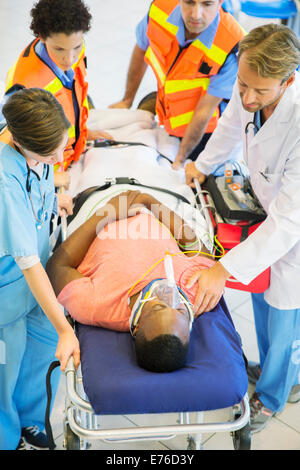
x=109 y=381
x=214 y=377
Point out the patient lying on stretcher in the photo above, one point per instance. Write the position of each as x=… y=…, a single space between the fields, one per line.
x=106 y=274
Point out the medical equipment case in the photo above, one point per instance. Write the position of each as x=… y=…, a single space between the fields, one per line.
x=235 y=213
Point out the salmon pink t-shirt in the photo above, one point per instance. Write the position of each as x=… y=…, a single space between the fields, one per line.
x=119 y=256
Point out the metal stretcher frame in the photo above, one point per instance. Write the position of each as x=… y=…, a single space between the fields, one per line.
x=81 y=420
x=81 y=424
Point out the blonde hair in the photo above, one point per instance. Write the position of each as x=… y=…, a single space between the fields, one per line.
x=36 y=120
x=273 y=51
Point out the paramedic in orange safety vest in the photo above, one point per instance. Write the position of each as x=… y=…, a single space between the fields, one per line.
x=55 y=61
x=191 y=47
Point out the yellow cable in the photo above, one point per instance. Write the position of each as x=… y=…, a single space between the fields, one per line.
x=176 y=254
x=193 y=243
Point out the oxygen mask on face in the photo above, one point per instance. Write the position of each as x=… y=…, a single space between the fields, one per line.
x=166 y=290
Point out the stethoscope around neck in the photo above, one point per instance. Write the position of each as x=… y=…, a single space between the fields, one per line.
x=39 y=221
x=253 y=125
x=250 y=125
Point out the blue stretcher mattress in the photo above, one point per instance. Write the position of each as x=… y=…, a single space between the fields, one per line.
x=214 y=376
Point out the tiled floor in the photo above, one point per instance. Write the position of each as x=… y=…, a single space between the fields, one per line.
x=109 y=46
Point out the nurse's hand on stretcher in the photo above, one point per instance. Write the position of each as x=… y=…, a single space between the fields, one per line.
x=67 y=346
x=41 y=288
x=192 y=173
x=211 y=284
x=65 y=204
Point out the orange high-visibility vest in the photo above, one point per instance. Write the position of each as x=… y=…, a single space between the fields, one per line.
x=183 y=74
x=30 y=71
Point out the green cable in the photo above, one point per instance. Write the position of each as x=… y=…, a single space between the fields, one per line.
x=102 y=199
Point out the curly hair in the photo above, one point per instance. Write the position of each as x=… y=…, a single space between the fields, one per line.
x=59 y=16
x=164 y=353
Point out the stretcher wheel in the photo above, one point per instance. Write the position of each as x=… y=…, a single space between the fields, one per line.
x=191 y=443
x=242 y=438
x=72 y=441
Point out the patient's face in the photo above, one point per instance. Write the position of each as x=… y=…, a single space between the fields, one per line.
x=157 y=318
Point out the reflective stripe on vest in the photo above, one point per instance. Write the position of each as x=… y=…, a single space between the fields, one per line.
x=85 y=103
x=156 y=66
x=214 y=53
x=184 y=119
x=82 y=52
x=174 y=86
x=161 y=18
x=10 y=76
x=71 y=132
x=54 y=86
x=61 y=166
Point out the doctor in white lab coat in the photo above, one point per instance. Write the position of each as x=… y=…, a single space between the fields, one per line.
x=264 y=113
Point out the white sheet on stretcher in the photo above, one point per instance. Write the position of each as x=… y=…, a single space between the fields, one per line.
x=145 y=164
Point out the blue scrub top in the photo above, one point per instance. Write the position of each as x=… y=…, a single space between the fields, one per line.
x=220 y=85
x=20 y=233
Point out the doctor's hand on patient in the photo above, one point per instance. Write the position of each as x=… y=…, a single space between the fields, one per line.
x=211 y=284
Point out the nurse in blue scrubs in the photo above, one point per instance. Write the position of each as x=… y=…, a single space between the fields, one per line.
x=33 y=328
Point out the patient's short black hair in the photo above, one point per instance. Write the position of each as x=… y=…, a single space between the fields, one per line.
x=59 y=16
x=164 y=353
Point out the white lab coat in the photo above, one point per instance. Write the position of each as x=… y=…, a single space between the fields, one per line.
x=275 y=152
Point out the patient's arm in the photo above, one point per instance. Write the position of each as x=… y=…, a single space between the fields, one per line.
x=182 y=232
x=63 y=264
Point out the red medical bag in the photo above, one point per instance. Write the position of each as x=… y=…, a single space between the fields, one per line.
x=236 y=225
